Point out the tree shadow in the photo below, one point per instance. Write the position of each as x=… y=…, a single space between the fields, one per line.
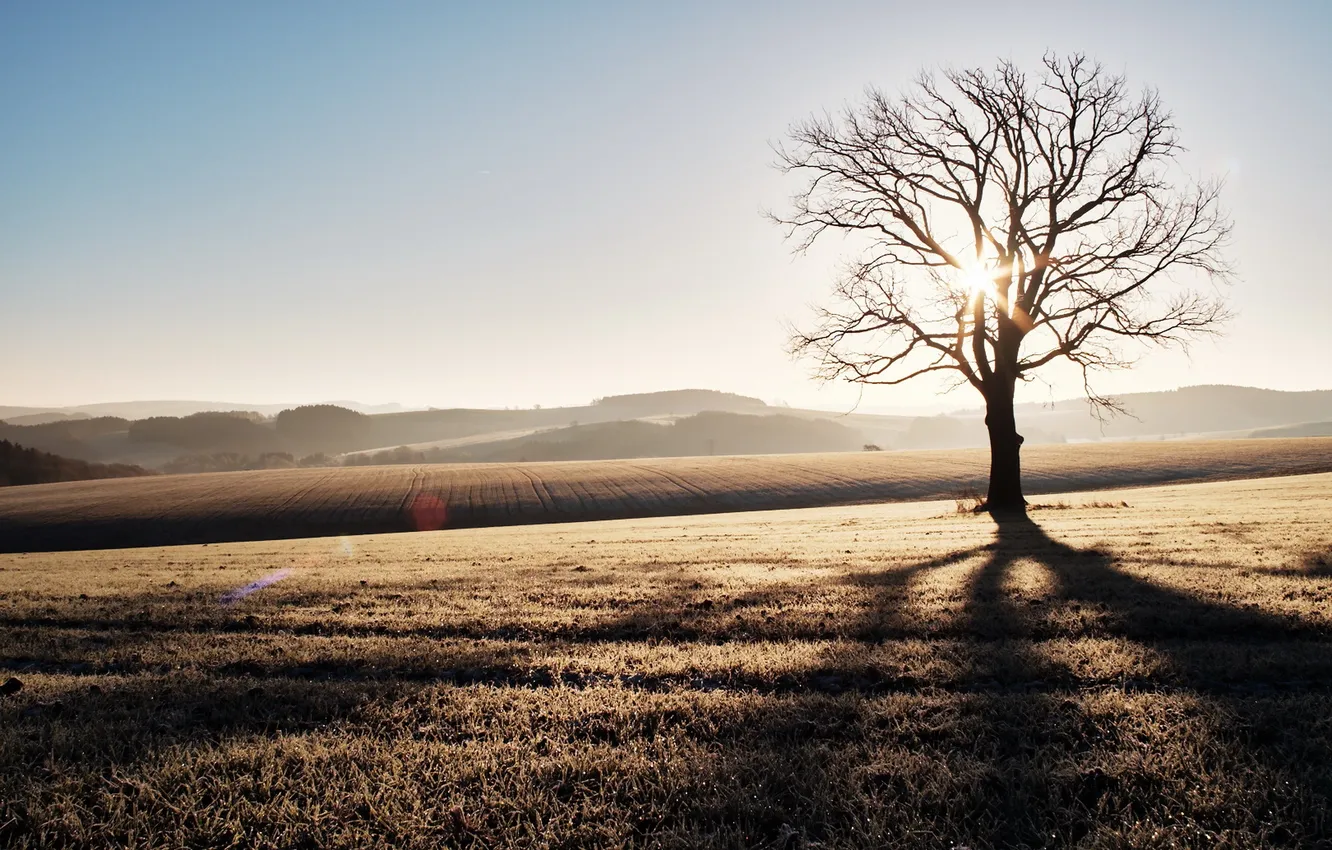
x=1021 y=751
x=1241 y=699
x=1316 y=563
x=1014 y=750
x=1120 y=604
x=1093 y=598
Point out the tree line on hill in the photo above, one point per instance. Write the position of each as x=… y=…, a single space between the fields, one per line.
x=702 y=434
x=75 y=438
x=706 y=433
x=330 y=429
x=19 y=465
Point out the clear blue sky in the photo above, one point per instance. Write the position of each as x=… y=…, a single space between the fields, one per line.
x=518 y=203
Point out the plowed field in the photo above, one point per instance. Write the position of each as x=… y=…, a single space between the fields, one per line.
x=277 y=504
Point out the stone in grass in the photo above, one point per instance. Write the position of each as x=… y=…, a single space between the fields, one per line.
x=10 y=687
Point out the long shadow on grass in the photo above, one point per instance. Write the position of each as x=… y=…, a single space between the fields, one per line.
x=1267 y=729
x=1010 y=755
x=1058 y=757
x=1317 y=563
x=1017 y=755
x=836 y=764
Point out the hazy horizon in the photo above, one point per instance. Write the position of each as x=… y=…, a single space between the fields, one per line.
x=524 y=204
x=955 y=403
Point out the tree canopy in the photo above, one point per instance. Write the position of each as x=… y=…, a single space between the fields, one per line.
x=1008 y=221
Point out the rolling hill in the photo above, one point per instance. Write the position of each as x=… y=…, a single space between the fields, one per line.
x=270 y=504
x=468 y=434
x=1188 y=410
x=707 y=433
x=19 y=465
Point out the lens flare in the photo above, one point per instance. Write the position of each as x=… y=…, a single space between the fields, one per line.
x=240 y=593
x=427 y=513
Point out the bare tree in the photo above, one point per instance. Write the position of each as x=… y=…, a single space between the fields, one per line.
x=1009 y=221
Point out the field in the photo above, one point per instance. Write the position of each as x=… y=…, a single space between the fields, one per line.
x=1137 y=668
x=276 y=504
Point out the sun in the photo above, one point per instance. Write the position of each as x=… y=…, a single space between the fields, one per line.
x=977 y=276
x=978 y=280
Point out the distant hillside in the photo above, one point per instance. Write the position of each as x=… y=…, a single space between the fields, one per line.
x=426 y=426
x=1189 y=410
x=708 y=433
x=678 y=403
x=333 y=430
x=45 y=418
x=1224 y=411
x=238 y=431
x=71 y=437
x=159 y=440
x=8 y=412
x=19 y=465
x=170 y=407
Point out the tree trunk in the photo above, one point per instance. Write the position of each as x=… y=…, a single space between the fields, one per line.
x=1005 y=494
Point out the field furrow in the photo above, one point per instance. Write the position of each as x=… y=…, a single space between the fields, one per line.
x=360 y=500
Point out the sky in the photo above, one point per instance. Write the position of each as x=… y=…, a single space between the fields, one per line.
x=505 y=203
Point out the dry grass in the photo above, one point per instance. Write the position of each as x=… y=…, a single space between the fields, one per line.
x=968 y=501
x=1068 y=506
x=846 y=677
x=275 y=504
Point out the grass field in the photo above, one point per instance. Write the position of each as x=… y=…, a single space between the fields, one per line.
x=1142 y=668
x=296 y=503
